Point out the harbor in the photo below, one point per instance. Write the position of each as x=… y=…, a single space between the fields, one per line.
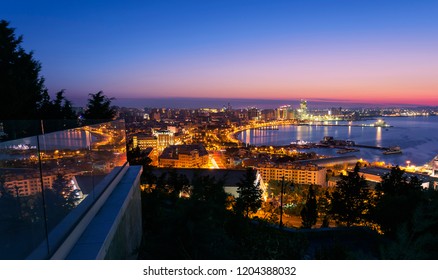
x=343 y=146
x=416 y=137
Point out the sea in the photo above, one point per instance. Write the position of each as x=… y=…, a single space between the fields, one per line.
x=416 y=136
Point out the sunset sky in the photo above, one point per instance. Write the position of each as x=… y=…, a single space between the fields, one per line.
x=375 y=51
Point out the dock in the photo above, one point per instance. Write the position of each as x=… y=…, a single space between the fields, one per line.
x=371 y=147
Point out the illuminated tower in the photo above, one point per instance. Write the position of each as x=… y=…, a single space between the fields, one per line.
x=303 y=107
x=302 y=111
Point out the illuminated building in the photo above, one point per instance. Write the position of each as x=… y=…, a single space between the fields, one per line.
x=302 y=111
x=144 y=142
x=184 y=156
x=254 y=114
x=298 y=174
x=286 y=113
x=165 y=138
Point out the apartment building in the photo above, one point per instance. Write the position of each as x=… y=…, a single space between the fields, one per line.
x=296 y=173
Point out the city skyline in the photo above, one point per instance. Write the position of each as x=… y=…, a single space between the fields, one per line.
x=364 y=52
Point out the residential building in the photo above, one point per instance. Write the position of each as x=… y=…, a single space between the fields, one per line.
x=184 y=156
x=296 y=173
x=144 y=141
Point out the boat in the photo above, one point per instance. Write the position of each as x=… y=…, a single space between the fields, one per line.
x=299 y=142
x=393 y=150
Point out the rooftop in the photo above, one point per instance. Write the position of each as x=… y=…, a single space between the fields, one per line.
x=173 y=151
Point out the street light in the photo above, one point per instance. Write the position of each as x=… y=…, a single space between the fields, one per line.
x=291 y=186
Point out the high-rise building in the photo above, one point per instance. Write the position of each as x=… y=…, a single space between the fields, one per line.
x=302 y=111
x=254 y=114
x=268 y=115
x=285 y=112
x=282 y=112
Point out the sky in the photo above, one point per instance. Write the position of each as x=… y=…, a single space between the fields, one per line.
x=372 y=51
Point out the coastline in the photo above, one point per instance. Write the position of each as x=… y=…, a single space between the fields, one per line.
x=415 y=135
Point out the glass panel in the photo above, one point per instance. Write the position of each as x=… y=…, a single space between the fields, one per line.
x=22 y=225
x=48 y=182
x=108 y=148
x=67 y=178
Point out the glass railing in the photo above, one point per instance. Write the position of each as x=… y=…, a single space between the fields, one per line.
x=49 y=181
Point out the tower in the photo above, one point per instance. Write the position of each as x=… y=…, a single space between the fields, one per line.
x=303 y=110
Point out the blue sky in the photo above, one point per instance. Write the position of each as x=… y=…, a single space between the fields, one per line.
x=371 y=51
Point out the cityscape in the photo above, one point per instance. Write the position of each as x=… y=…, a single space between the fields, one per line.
x=244 y=139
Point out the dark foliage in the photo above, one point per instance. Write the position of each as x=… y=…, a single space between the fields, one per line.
x=350 y=199
x=138 y=157
x=397 y=200
x=324 y=208
x=309 y=213
x=59 y=108
x=21 y=86
x=250 y=195
x=99 y=107
x=24 y=96
x=201 y=227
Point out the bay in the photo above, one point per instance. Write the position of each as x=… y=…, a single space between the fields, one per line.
x=417 y=137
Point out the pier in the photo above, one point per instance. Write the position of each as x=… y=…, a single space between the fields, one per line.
x=371 y=147
x=330 y=142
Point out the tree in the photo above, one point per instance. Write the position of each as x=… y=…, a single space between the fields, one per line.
x=63 y=192
x=207 y=188
x=25 y=99
x=21 y=85
x=58 y=113
x=59 y=108
x=398 y=199
x=349 y=200
x=250 y=195
x=324 y=208
x=99 y=107
x=309 y=212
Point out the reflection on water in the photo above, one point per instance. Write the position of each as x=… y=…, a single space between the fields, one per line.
x=72 y=138
x=379 y=136
x=417 y=136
